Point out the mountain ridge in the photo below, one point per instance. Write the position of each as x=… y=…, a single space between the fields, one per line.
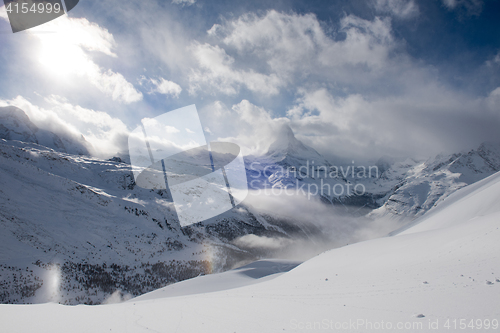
x=16 y=125
x=424 y=184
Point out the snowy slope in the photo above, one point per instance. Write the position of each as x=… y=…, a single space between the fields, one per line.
x=78 y=216
x=474 y=201
x=85 y=217
x=439 y=274
x=256 y=272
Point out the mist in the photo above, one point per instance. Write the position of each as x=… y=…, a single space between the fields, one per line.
x=322 y=226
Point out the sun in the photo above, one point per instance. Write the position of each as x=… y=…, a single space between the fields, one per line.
x=60 y=51
x=61 y=57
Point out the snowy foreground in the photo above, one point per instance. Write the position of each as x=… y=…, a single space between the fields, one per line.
x=440 y=274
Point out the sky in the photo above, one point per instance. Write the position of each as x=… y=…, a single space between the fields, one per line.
x=353 y=79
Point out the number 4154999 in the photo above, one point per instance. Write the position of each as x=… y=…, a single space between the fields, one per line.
x=472 y=324
x=36 y=8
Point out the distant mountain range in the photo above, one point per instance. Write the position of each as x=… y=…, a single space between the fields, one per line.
x=419 y=186
x=401 y=190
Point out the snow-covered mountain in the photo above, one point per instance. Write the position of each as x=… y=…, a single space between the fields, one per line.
x=440 y=274
x=85 y=219
x=287 y=150
x=419 y=186
x=291 y=164
x=16 y=125
x=399 y=190
x=83 y=216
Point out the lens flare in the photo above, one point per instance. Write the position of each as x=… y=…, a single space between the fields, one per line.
x=54 y=283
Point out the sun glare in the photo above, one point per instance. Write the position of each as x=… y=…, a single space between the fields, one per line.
x=61 y=53
x=60 y=58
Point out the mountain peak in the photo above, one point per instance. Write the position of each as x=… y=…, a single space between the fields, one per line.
x=285 y=141
x=289 y=150
x=16 y=125
x=286 y=131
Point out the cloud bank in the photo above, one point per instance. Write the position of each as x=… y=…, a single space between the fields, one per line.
x=358 y=93
x=322 y=226
x=351 y=87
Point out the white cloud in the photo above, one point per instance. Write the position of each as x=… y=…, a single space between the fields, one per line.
x=450 y=3
x=66 y=52
x=275 y=50
x=171 y=129
x=166 y=87
x=169 y=139
x=117 y=297
x=471 y=7
x=3 y=13
x=114 y=85
x=419 y=122
x=218 y=75
x=360 y=94
x=279 y=39
x=184 y=2
x=282 y=41
x=163 y=37
x=494 y=61
x=249 y=126
x=335 y=229
x=288 y=42
x=360 y=91
x=399 y=8
x=367 y=43
x=493 y=101
x=261 y=242
x=495 y=92
x=104 y=132
x=423 y=120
